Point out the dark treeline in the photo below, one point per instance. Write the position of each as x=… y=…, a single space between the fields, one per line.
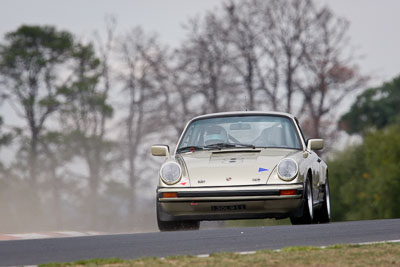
x=89 y=111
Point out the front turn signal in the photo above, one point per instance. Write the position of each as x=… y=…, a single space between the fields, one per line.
x=288 y=192
x=170 y=195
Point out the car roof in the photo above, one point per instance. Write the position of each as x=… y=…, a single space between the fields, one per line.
x=243 y=113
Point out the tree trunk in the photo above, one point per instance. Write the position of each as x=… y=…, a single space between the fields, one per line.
x=33 y=154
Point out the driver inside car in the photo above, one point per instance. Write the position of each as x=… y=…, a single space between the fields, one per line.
x=214 y=135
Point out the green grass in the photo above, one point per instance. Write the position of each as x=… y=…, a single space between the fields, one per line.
x=93 y=262
x=385 y=254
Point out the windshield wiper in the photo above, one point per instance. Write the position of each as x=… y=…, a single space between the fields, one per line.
x=244 y=145
x=220 y=145
x=217 y=146
x=189 y=148
x=229 y=145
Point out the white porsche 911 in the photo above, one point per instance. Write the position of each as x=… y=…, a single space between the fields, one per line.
x=241 y=165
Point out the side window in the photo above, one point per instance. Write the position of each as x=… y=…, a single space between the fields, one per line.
x=288 y=134
x=292 y=139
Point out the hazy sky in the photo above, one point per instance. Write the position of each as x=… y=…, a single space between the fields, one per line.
x=373 y=29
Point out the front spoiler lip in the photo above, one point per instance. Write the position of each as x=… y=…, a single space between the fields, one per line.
x=260 y=192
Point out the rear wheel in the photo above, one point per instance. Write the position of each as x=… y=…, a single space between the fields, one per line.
x=176 y=225
x=308 y=210
x=324 y=214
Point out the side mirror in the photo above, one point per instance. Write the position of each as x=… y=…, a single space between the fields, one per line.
x=315 y=144
x=160 y=150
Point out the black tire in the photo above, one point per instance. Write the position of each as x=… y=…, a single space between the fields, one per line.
x=308 y=210
x=178 y=225
x=164 y=226
x=324 y=214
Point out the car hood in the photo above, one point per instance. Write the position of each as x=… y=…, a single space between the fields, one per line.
x=231 y=167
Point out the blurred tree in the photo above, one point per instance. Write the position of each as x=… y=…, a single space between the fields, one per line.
x=105 y=49
x=364 y=181
x=329 y=71
x=289 y=24
x=32 y=61
x=375 y=108
x=83 y=116
x=382 y=152
x=55 y=157
x=348 y=185
x=5 y=139
x=252 y=56
x=204 y=71
x=145 y=79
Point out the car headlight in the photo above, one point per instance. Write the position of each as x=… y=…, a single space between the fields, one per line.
x=171 y=172
x=287 y=169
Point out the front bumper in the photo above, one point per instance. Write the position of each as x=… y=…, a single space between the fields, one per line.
x=224 y=203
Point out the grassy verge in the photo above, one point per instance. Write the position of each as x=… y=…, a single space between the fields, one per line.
x=387 y=254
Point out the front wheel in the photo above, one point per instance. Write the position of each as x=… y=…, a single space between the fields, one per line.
x=324 y=214
x=178 y=225
x=308 y=209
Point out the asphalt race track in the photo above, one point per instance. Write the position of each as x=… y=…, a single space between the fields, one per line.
x=130 y=246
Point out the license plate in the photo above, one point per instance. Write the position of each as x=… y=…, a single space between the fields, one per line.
x=228 y=208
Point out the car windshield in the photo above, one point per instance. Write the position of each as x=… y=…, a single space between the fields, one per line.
x=240 y=131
